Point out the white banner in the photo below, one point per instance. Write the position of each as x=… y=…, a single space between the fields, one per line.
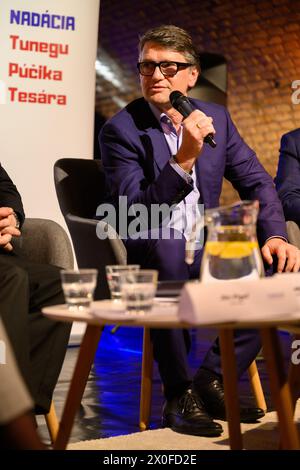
x=47 y=92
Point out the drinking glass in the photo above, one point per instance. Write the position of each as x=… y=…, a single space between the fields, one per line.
x=138 y=289
x=78 y=287
x=113 y=273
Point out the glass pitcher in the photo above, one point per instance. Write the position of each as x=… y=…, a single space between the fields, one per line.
x=231 y=250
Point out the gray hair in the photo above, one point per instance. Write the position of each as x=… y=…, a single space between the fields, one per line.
x=172 y=37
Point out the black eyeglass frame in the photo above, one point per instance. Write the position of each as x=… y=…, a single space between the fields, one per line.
x=179 y=65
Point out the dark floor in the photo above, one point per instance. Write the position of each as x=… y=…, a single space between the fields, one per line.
x=110 y=405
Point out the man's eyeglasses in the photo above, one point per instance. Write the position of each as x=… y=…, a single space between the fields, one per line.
x=168 y=69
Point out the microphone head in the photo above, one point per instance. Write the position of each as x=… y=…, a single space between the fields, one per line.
x=174 y=96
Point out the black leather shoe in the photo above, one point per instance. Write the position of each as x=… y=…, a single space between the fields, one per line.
x=187 y=415
x=211 y=392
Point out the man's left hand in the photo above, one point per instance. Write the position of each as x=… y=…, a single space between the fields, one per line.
x=288 y=255
x=8 y=228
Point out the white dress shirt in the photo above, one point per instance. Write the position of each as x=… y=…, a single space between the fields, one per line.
x=187 y=211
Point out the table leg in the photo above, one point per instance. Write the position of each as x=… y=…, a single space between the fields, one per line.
x=256 y=386
x=280 y=390
x=146 y=384
x=231 y=388
x=80 y=376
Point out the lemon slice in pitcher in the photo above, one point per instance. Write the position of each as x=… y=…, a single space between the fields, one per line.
x=238 y=249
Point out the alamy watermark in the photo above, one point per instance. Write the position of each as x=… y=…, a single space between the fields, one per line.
x=295 y=356
x=156 y=221
x=296 y=94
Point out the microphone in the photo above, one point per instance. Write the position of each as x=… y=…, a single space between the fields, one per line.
x=184 y=106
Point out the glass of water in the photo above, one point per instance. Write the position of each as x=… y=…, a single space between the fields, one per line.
x=79 y=286
x=113 y=276
x=138 y=290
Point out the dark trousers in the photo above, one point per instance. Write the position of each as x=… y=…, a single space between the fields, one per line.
x=39 y=344
x=171 y=347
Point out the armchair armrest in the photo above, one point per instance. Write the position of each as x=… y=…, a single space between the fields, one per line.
x=45 y=241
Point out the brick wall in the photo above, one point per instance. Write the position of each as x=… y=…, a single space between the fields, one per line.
x=259 y=39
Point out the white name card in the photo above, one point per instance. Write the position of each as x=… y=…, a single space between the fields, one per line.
x=294 y=281
x=268 y=299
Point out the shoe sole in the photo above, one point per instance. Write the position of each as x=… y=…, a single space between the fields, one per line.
x=243 y=420
x=252 y=420
x=206 y=433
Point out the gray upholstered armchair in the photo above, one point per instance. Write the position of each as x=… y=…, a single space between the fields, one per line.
x=45 y=241
x=293 y=232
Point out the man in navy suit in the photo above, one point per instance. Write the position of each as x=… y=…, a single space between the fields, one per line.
x=152 y=156
x=39 y=343
x=288 y=175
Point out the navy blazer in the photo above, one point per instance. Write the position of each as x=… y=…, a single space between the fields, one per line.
x=288 y=175
x=136 y=156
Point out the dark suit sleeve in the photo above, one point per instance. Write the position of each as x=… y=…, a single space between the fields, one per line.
x=127 y=174
x=9 y=195
x=288 y=175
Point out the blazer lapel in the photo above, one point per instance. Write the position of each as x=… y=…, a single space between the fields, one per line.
x=161 y=151
x=153 y=137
